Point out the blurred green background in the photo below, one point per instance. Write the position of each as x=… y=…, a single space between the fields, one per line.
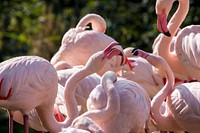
x=36 y=27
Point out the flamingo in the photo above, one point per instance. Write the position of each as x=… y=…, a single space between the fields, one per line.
x=34 y=119
x=95 y=62
x=112 y=106
x=183 y=101
x=145 y=74
x=134 y=108
x=86 y=42
x=44 y=90
x=25 y=85
x=181 y=51
x=60 y=111
x=134 y=101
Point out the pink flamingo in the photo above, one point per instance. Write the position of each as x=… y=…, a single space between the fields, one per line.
x=134 y=107
x=45 y=110
x=95 y=62
x=34 y=119
x=25 y=80
x=60 y=111
x=86 y=42
x=145 y=74
x=183 y=101
x=132 y=95
x=180 y=51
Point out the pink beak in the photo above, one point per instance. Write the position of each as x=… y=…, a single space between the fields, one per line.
x=162 y=24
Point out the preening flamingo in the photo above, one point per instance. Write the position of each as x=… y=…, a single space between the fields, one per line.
x=134 y=107
x=95 y=62
x=134 y=101
x=183 y=101
x=111 y=109
x=183 y=55
x=86 y=42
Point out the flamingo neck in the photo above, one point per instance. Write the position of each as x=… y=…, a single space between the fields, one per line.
x=70 y=87
x=162 y=120
x=98 y=23
x=163 y=44
x=179 y=16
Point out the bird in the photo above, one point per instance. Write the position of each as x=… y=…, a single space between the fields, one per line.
x=86 y=42
x=45 y=110
x=95 y=62
x=142 y=73
x=29 y=82
x=145 y=74
x=179 y=47
x=75 y=39
x=112 y=106
x=182 y=101
x=34 y=119
x=134 y=101
x=133 y=112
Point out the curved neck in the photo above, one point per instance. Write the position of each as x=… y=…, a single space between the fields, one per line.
x=179 y=16
x=163 y=44
x=69 y=94
x=98 y=23
x=162 y=120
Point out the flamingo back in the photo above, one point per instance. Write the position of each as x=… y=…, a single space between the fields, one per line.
x=188 y=48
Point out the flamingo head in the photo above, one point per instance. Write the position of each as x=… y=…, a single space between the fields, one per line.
x=99 y=59
x=85 y=123
x=163 y=8
x=141 y=53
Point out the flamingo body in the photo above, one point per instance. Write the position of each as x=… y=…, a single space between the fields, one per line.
x=181 y=49
x=86 y=42
x=129 y=119
x=25 y=80
x=182 y=101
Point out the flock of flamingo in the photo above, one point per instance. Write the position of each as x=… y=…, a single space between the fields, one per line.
x=93 y=85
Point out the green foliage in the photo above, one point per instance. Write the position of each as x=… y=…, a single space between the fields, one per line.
x=36 y=27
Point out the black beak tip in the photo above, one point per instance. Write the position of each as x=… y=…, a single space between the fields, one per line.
x=134 y=52
x=167 y=34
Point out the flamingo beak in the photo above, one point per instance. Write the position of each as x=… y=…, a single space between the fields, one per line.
x=58 y=115
x=112 y=50
x=141 y=53
x=115 y=49
x=162 y=24
x=129 y=62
